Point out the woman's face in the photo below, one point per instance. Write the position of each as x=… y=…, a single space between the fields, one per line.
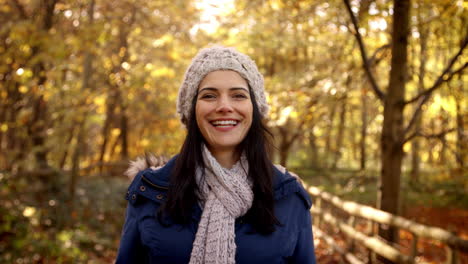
x=223 y=110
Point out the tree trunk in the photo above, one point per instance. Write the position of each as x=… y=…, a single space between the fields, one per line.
x=124 y=132
x=462 y=141
x=362 y=143
x=341 y=129
x=76 y=162
x=393 y=132
x=460 y=93
x=124 y=31
x=85 y=85
x=284 y=145
x=415 y=152
x=39 y=123
x=105 y=130
x=284 y=153
x=328 y=147
x=431 y=143
x=443 y=140
x=313 y=149
x=416 y=143
x=116 y=142
x=71 y=133
x=13 y=144
x=37 y=131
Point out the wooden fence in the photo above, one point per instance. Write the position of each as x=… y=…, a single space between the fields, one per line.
x=330 y=209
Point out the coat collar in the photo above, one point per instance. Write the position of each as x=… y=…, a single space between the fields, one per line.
x=161 y=175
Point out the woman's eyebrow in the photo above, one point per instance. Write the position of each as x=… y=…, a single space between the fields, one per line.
x=216 y=89
x=208 y=88
x=238 y=88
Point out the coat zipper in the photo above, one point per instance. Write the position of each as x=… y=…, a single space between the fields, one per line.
x=154 y=185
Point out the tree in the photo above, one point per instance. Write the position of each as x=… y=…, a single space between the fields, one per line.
x=394 y=131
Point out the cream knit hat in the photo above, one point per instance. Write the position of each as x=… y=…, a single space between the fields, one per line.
x=219 y=58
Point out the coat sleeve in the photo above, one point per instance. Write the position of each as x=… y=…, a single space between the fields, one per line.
x=304 y=251
x=131 y=248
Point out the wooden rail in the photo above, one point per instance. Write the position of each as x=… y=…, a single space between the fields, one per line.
x=325 y=203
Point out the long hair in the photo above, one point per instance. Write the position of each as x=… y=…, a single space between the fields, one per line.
x=182 y=194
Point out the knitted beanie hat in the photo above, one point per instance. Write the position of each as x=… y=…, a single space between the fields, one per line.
x=213 y=59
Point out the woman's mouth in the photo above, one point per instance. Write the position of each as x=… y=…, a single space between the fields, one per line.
x=224 y=123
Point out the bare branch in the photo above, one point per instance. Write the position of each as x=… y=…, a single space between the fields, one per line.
x=446 y=75
x=373 y=59
x=366 y=65
x=438 y=135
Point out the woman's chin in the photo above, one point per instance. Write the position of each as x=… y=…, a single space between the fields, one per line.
x=223 y=145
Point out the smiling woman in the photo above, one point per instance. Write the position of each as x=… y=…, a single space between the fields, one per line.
x=221 y=200
x=224 y=113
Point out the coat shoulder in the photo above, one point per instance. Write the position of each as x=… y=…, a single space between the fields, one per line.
x=150 y=179
x=287 y=183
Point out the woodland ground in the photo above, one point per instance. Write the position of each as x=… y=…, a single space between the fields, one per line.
x=39 y=225
x=438 y=199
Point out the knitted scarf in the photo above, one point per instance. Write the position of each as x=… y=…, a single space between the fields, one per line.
x=226 y=195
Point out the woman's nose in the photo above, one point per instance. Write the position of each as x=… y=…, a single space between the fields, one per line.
x=224 y=105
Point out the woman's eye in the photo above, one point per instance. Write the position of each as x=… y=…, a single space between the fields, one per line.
x=208 y=96
x=240 y=96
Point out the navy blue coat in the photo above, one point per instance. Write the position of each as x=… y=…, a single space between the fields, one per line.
x=145 y=240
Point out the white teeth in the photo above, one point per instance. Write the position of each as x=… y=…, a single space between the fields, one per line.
x=224 y=123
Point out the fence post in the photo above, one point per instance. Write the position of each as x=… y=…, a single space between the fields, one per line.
x=370 y=232
x=318 y=203
x=352 y=223
x=414 y=247
x=452 y=255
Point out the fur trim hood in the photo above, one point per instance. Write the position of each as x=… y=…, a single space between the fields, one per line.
x=142 y=163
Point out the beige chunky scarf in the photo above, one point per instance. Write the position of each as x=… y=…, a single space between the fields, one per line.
x=226 y=195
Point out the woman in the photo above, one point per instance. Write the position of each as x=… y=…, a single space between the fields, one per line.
x=220 y=200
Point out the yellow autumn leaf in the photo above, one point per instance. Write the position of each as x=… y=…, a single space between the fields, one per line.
x=115 y=132
x=294 y=114
x=407 y=147
x=29 y=211
x=145 y=142
x=23 y=89
x=163 y=72
x=174 y=55
x=276 y=5
x=149 y=66
x=167 y=38
x=130 y=96
x=137 y=31
x=99 y=100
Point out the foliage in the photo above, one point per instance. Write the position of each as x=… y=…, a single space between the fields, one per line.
x=53 y=229
x=361 y=186
x=137 y=62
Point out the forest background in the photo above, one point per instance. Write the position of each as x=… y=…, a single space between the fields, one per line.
x=87 y=85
